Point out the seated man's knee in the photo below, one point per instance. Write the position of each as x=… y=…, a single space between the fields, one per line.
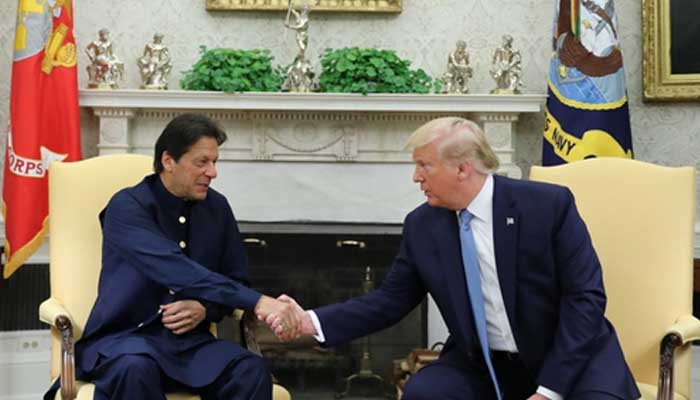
x=246 y=378
x=136 y=366
x=438 y=381
x=253 y=368
x=419 y=387
x=128 y=376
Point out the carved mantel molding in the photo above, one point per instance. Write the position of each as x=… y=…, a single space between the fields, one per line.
x=316 y=127
x=201 y=100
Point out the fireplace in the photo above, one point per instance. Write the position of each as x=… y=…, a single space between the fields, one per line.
x=323 y=268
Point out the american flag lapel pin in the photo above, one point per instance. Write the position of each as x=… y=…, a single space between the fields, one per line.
x=510 y=221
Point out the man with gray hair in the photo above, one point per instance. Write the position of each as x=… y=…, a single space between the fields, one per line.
x=513 y=271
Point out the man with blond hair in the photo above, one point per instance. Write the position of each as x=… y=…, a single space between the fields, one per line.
x=513 y=271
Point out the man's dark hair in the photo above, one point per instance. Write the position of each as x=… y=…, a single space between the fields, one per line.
x=183 y=132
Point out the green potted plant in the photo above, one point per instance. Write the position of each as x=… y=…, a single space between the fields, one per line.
x=232 y=70
x=357 y=70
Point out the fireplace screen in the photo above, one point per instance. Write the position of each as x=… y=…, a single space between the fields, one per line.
x=319 y=269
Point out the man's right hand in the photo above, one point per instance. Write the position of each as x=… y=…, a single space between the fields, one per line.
x=288 y=317
x=306 y=327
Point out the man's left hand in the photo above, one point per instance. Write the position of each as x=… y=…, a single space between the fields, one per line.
x=538 y=396
x=183 y=316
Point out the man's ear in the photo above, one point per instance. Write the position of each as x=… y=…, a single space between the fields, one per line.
x=168 y=161
x=464 y=170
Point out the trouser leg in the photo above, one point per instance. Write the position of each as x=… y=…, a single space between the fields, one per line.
x=247 y=378
x=128 y=377
x=445 y=381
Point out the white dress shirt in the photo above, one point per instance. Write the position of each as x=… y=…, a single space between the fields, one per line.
x=498 y=328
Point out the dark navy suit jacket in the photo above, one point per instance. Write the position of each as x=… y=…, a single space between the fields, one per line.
x=549 y=275
x=144 y=266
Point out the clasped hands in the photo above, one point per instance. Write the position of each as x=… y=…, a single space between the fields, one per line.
x=285 y=317
x=182 y=316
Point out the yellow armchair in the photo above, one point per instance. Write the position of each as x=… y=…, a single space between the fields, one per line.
x=77 y=193
x=641 y=218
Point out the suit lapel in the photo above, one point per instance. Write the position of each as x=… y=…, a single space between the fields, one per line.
x=446 y=235
x=506 y=220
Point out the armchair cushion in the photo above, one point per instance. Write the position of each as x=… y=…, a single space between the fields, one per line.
x=86 y=391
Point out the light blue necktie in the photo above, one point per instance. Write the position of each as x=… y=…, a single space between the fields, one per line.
x=476 y=297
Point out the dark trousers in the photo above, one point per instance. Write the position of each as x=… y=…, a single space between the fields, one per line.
x=134 y=376
x=452 y=379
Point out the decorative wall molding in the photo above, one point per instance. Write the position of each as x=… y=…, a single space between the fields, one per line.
x=402 y=103
x=114 y=126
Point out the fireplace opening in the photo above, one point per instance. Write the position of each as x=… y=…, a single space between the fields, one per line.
x=323 y=268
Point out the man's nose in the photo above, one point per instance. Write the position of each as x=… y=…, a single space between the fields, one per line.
x=417 y=176
x=211 y=171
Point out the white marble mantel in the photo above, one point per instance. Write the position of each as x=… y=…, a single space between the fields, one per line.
x=305 y=127
x=405 y=103
x=328 y=158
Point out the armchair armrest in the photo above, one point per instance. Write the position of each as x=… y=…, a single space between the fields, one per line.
x=238 y=314
x=248 y=323
x=50 y=309
x=686 y=329
x=52 y=312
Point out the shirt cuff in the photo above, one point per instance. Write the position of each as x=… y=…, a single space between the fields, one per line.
x=551 y=395
x=317 y=325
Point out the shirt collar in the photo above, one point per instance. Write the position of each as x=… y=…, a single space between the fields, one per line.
x=168 y=200
x=482 y=205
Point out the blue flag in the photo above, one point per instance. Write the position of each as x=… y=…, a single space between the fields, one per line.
x=587 y=113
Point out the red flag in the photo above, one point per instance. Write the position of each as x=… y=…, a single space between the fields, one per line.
x=44 y=121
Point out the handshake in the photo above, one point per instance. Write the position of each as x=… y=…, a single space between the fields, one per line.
x=285 y=317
